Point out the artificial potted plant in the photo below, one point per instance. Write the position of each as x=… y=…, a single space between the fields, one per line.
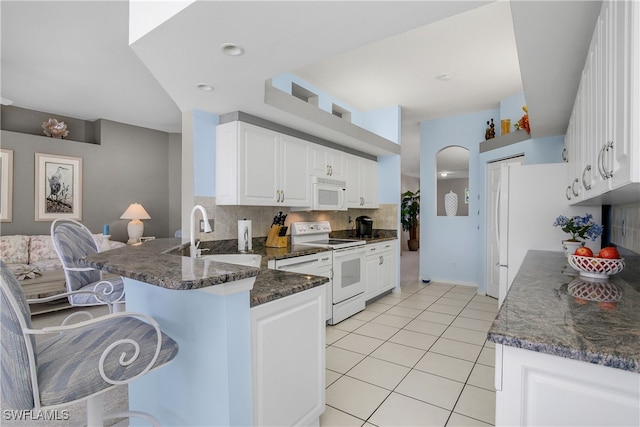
x=410 y=217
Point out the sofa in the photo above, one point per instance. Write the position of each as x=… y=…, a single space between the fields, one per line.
x=35 y=263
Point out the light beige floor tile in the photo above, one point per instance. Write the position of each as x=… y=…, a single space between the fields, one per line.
x=423 y=297
x=490 y=344
x=483 y=376
x=414 y=339
x=457 y=420
x=378 y=307
x=399 y=410
x=478 y=314
x=404 y=312
x=465 y=335
x=330 y=377
x=376 y=330
x=483 y=306
x=430 y=388
x=332 y=334
x=487 y=356
x=477 y=403
x=355 y=397
x=441 y=318
x=445 y=309
x=426 y=327
x=379 y=372
x=461 y=350
x=349 y=324
x=471 y=290
x=440 y=286
x=391 y=320
x=445 y=366
x=456 y=302
x=433 y=291
x=485 y=299
x=473 y=324
x=340 y=360
x=415 y=304
x=332 y=417
x=390 y=299
x=398 y=353
x=366 y=315
x=466 y=297
x=406 y=291
x=358 y=343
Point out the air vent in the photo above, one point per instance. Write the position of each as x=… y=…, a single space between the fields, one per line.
x=341 y=112
x=304 y=94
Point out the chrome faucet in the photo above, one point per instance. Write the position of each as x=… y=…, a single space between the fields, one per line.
x=193 y=249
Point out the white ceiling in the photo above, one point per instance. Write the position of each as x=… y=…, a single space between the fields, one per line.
x=73 y=59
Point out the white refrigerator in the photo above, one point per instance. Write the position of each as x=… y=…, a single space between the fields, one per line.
x=530 y=198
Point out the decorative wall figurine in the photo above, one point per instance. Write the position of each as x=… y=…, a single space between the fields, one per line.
x=523 y=123
x=55 y=129
x=490 y=133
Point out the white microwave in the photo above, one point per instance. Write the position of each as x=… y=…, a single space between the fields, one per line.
x=328 y=194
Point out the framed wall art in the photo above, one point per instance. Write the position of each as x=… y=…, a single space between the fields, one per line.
x=58 y=188
x=6 y=185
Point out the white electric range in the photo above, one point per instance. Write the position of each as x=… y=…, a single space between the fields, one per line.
x=347 y=292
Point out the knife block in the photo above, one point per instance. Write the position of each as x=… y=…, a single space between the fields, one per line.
x=274 y=240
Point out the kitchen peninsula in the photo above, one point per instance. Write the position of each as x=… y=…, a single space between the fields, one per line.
x=207 y=307
x=562 y=359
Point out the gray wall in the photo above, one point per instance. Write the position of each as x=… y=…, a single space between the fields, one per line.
x=457 y=186
x=131 y=164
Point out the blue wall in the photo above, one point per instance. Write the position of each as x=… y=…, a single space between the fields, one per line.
x=452 y=249
x=449 y=245
x=204 y=153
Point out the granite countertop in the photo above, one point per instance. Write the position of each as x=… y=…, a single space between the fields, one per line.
x=539 y=314
x=165 y=263
x=160 y=262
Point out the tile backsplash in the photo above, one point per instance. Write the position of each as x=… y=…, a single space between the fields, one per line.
x=226 y=218
x=625 y=226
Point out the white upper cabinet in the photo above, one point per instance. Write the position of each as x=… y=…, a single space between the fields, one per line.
x=327 y=162
x=362 y=182
x=257 y=166
x=603 y=140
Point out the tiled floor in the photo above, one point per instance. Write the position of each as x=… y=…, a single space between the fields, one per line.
x=414 y=358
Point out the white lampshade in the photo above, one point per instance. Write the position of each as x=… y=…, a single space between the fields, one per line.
x=135 y=212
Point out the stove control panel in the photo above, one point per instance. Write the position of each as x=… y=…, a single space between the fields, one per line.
x=319 y=227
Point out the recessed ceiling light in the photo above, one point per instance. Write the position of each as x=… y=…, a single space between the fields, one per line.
x=232 y=49
x=445 y=77
x=204 y=87
x=443 y=174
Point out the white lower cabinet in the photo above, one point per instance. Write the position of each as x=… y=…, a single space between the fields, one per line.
x=380 y=268
x=537 y=389
x=288 y=351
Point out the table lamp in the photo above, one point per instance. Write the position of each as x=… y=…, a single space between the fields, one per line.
x=135 y=212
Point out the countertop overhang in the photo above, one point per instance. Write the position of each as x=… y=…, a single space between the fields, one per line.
x=540 y=315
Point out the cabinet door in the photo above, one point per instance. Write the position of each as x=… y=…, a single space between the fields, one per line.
x=259 y=165
x=620 y=160
x=338 y=164
x=288 y=344
x=541 y=389
x=388 y=274
x=294 y=173
x=369 y=183
x=354 y=194
x=319 y=160
x=372 y=272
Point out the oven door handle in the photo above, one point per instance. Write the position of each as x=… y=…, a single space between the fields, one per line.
x=348 y=251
